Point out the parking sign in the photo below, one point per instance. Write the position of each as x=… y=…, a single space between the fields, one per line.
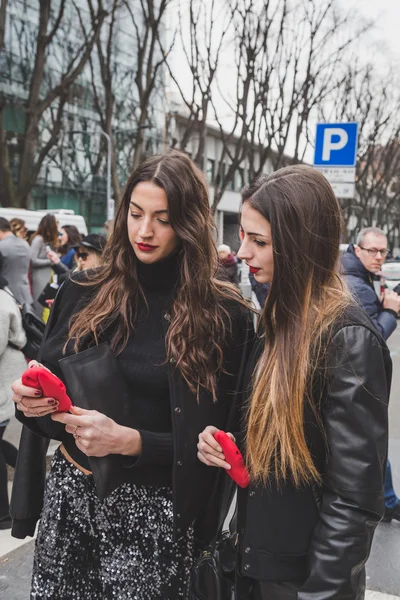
x=336 y=145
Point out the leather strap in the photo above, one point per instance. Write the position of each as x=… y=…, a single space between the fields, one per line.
x=72 y=461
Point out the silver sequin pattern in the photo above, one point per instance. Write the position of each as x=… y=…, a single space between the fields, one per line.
x=121 y=548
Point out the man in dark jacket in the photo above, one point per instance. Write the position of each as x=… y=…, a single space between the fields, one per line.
x=361 y=264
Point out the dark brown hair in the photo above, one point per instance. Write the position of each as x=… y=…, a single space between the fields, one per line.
x=4 y=225
x=306 y=297
x=199 y=317
x=74 y=238
x=48 y=230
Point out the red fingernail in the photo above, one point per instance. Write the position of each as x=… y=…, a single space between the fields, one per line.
x=38 y=392
x=51 y=401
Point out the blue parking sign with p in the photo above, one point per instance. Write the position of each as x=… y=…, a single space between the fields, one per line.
x=336 y=145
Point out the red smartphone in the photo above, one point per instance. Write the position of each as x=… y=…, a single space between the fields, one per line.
x=50 y=386
x=233 y=457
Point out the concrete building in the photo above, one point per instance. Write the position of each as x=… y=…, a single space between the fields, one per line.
x=74 y=174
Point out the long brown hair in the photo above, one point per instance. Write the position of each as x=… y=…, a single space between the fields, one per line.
x=48 y=230
x=199 y=317
x=306 y=297
x=74 y=238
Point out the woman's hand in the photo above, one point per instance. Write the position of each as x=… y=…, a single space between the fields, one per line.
x=29 y=400
x=97 y=435
x=209 y=451
x=53 y=256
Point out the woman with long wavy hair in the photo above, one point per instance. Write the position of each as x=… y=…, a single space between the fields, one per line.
x=314 y=426
x=126 y=497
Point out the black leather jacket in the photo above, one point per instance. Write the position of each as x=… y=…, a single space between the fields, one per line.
x=322 y=536
x=197 y=489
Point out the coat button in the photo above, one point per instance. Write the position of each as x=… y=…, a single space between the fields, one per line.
x=167 y=317
x=178 y=410
x=247 y=550
x=246 y=567
x=172 y=361
x=179 y=463
x=252 y=494
x=178 y=516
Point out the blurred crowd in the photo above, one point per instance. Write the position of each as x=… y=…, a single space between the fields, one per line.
x=32 y=267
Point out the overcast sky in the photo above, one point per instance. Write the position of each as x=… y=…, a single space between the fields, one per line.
x=386 y=15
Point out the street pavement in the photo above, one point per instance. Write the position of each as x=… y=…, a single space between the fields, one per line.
x=383 y=567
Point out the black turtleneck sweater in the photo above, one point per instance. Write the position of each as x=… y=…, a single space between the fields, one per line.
x=143 y=366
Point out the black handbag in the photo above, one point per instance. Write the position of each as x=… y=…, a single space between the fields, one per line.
x=94 y=381
x=48 y=293
x=213 y=573
x=34 y=329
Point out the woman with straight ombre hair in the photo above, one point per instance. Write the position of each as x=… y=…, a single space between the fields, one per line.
x=151 y=347
x=314 y=421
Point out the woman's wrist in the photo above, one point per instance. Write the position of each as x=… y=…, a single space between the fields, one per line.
x=130 y=442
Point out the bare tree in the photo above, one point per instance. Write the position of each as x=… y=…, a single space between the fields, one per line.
x=287 y=60
x=203 y=29
x=104 y=99
x=147 y=20
x=5 y=172
x=51 y=77
x=373 y=101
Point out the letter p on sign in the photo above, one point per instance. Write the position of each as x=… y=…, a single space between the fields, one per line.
x=336 y=145
x=330 y=144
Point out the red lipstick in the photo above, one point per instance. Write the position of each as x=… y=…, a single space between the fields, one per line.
x=254 y=269
x=146 y=247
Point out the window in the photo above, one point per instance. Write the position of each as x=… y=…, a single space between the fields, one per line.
x=210 y=170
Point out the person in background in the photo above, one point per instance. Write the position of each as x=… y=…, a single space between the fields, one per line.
x=12 y=365
x=228 y=265
x=46 y=235
x=89 y=253
x=19 y=228
x=361 y=264
x=69 y=239
x=64 y=260
x=15 y=256
x=108 y=228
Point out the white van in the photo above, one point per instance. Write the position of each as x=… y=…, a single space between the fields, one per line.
x=32 y=218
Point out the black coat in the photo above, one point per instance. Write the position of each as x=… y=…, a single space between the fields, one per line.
x=197 y=489
x=361 y=284
x=323 y=536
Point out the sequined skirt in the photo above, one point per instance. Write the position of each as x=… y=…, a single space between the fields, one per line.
x=121 y=548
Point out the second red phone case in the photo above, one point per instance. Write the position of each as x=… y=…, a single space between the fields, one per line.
x=233 y=457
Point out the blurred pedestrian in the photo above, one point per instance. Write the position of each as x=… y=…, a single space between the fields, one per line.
x=315 y=425
x=15 y=255
x=19 y=228
x=90 y=251
x=64 y=259
x=126 y=527
x=362 y=264
x=46 y=237
x=228 y=265
x=108 y=228
x=12 y=365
